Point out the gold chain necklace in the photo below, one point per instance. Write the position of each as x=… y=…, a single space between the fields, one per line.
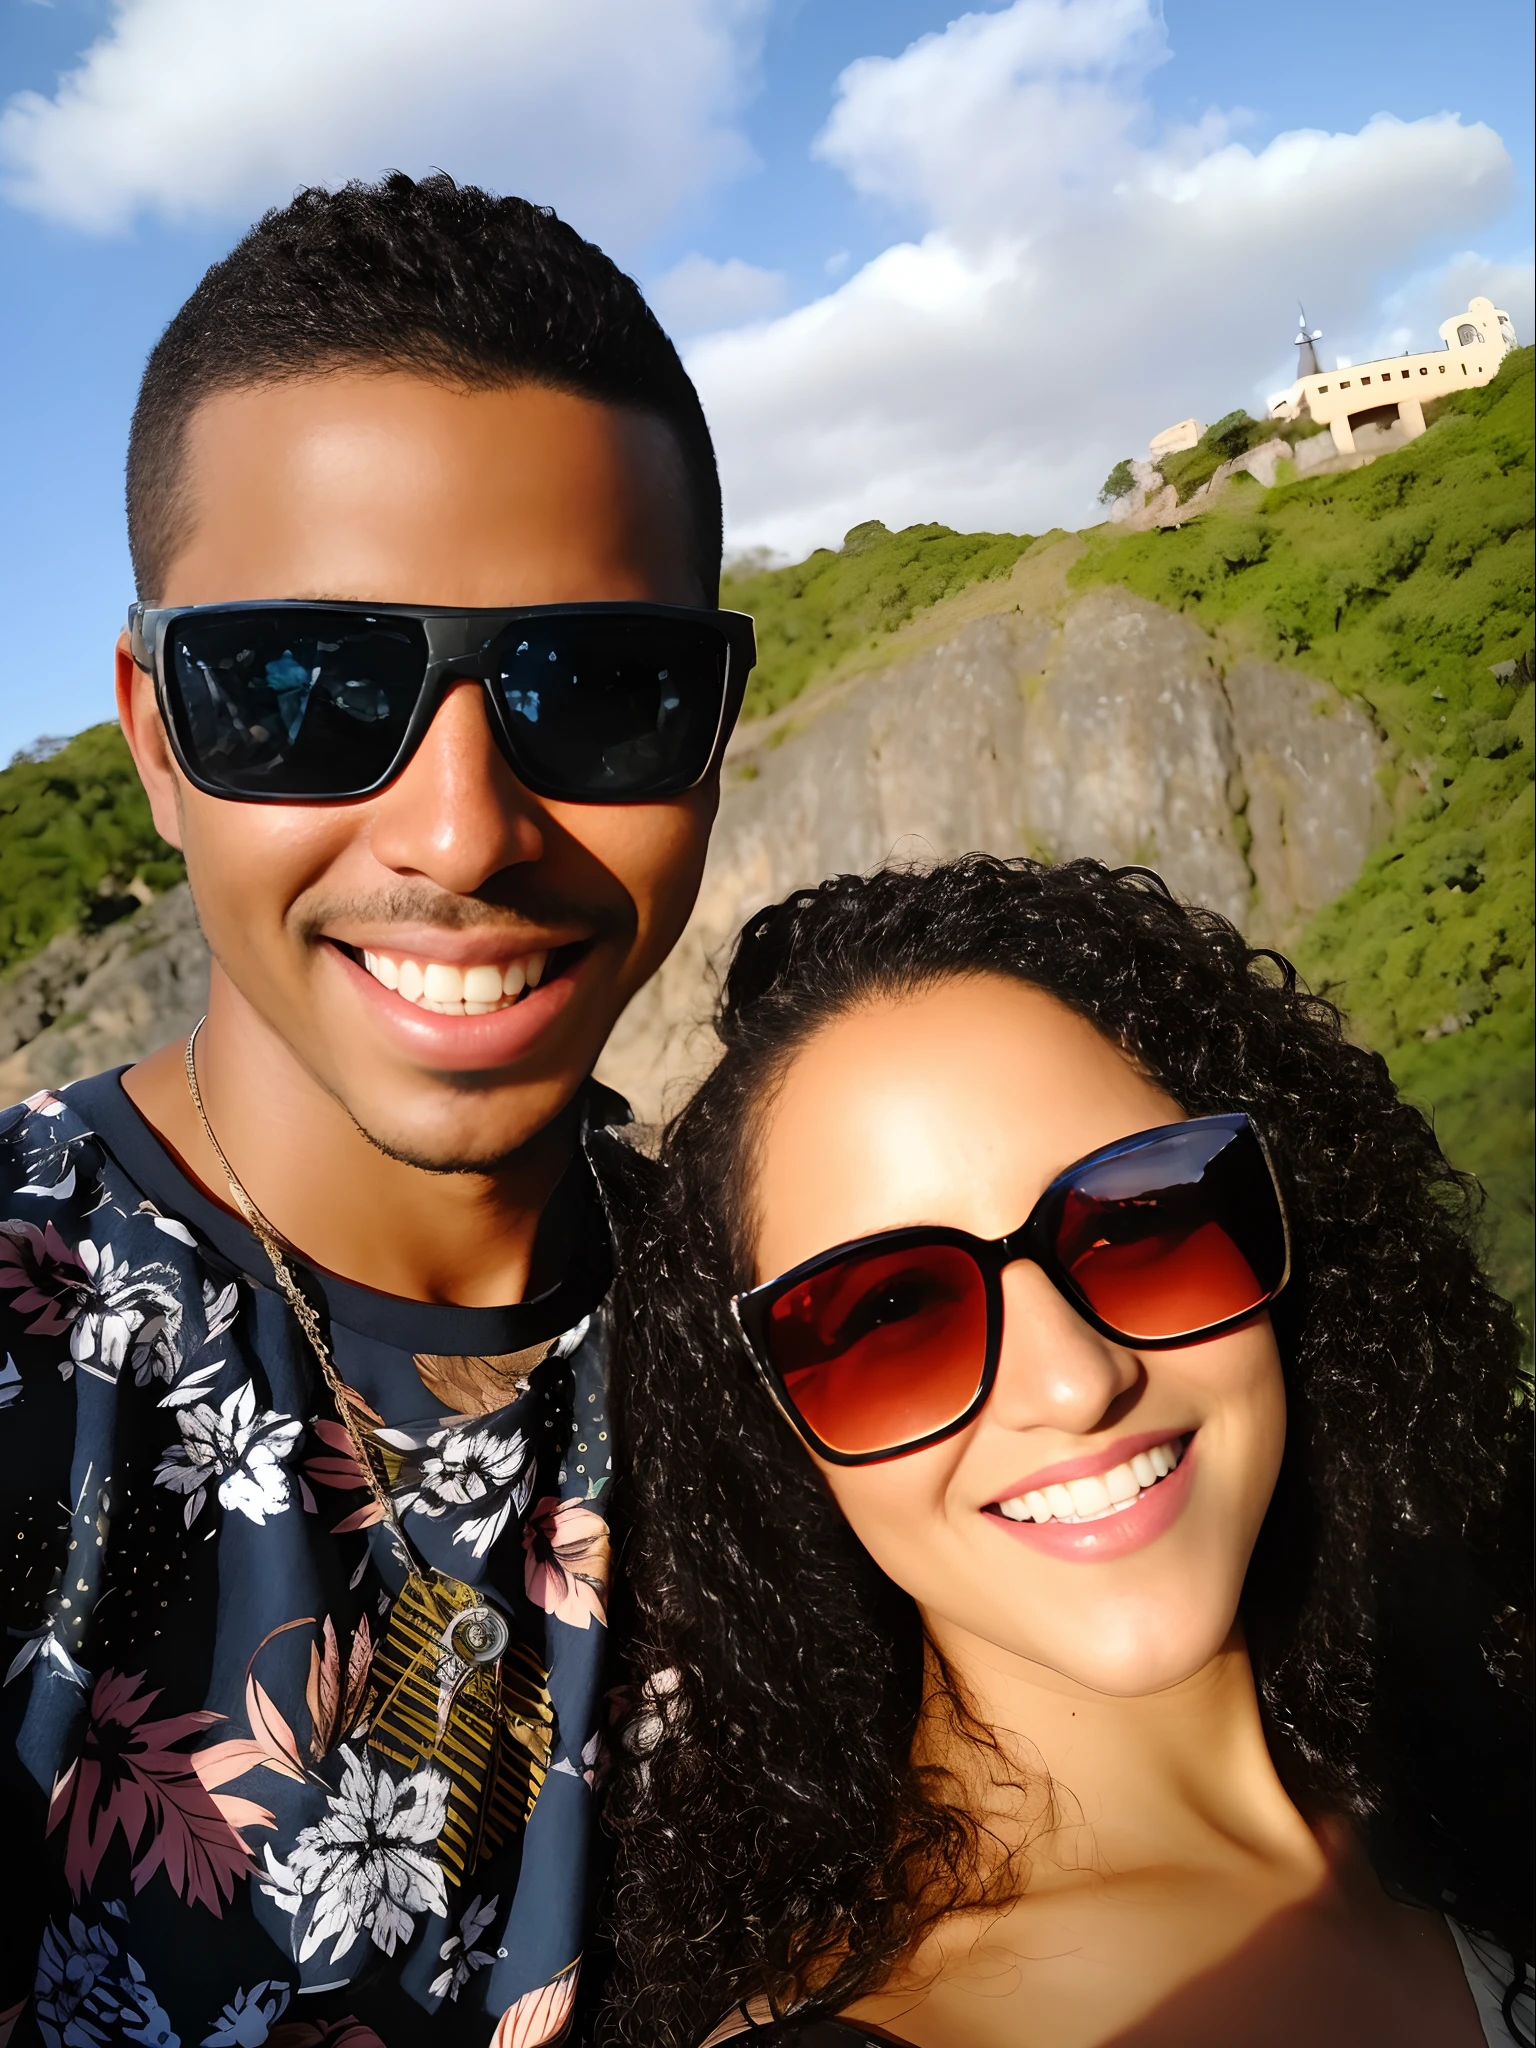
x=448 y=1684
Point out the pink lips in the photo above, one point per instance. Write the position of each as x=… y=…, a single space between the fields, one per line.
x=463 y=1044
x=1109 y=1536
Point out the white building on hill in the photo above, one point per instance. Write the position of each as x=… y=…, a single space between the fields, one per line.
x=1393 y=392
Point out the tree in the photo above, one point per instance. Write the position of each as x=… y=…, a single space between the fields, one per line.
x=1120 y=483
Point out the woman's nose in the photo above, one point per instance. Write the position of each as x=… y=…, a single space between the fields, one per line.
x=1054 y=1371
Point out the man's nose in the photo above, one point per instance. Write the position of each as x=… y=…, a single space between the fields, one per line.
x=1054 y=1371
x=457 y=815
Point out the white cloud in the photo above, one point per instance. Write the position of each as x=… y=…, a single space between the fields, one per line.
x=698 y=294
x=1082 y=280
x=995 y=106
x=187 y=108
x=1412 y=313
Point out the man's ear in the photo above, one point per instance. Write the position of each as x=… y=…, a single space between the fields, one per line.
x=139 y=716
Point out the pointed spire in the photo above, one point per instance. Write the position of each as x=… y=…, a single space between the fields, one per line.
x=1307 y=364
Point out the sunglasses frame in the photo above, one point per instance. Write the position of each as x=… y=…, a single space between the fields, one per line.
x=1032 y=1241
x=457 y=640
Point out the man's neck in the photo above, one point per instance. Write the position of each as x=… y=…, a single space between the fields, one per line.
x=464 y=1238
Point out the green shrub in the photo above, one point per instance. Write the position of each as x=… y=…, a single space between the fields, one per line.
x=1232 y=435
x=75 y=836
x=810 y=616
x=1405 y=583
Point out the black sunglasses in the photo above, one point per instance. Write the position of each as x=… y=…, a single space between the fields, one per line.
x=891 y=1342
x=290 y=702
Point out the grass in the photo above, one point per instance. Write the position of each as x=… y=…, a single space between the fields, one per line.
x=75 y=834
x=813 y=615
x=1403 y=583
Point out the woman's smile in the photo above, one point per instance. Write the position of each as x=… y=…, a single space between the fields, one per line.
x=1106 y=1510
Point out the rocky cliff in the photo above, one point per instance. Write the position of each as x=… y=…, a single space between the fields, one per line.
x=1023 y=720
x=89 y=1001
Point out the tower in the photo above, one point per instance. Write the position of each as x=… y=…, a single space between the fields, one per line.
x=1307 y=364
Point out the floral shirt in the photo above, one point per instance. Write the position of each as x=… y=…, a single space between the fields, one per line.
x=223 y=1821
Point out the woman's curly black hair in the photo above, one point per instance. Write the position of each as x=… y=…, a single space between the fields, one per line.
x=773 y=1836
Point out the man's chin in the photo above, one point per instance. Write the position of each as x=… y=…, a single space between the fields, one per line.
x=445 y=1146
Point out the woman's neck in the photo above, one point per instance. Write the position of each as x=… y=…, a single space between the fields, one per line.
x=1182 y=1776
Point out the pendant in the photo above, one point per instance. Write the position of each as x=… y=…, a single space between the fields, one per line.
x=450 y=1688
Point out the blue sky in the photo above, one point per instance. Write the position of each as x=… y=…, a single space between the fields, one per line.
x=955 y=281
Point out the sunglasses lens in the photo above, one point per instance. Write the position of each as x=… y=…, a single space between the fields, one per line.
x=269 y=703
x=883 y=1349
x=1177 y=1235
x=611 y=709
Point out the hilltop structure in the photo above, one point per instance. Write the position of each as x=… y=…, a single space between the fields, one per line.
x=1175 y=439
x=1391 y=392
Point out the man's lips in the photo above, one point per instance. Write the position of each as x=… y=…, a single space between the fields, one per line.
x=475 y=946
x=468 y=1043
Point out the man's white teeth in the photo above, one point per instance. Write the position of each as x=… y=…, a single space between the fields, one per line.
x=1105 y=1493
x=458 y=991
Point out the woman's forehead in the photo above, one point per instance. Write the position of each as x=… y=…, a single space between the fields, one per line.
x=956 y=1104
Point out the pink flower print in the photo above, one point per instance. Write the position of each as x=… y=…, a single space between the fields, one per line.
x=539 y=2016
x=128 y=1777
x=337 y=1467
x=43 y=1276
x=565 y=1562
x=345 y=2033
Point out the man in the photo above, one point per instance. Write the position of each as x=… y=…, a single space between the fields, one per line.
x=306 y=1579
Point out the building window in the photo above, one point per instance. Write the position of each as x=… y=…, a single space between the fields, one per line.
x=1343 y=383
x=1468 y=335
x=1402 y=373
x=1423 y=369
x=1321 y=389
x=1365 y=380
x=1442 y=369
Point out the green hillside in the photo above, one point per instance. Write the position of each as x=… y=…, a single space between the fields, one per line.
x=811 y=615
x=1406 y=583
x=75 y=835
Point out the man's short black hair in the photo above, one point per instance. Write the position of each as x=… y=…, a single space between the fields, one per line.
x=433 y=277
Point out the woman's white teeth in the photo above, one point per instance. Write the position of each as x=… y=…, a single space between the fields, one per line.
x=1106 y=1493
x=458 y=991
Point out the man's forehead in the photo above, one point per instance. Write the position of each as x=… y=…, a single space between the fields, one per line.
x=392 y=486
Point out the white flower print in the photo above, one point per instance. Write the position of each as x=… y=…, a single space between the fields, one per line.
x=247 y=2019
x=459 y=1951
x=43 y=1644
x=242 y=1448
x=563 y=1346
x=368 y=1866
x=124 y=1314
x=473 y=1466
x=220 y=1307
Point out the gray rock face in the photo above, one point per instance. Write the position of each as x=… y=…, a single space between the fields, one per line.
x=1101 y=726
x=89 y=1002
x=1129 y=753
x=1310 y=761
x=1109 y=731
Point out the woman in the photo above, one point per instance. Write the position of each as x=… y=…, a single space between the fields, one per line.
x=1097 y=1628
